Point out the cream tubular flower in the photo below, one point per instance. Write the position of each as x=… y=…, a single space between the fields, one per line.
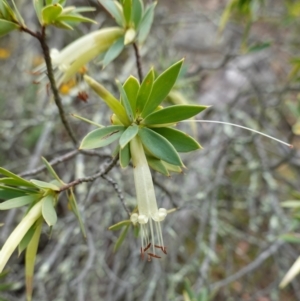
x=149 y=216
x=69 y=60
x=17 y=235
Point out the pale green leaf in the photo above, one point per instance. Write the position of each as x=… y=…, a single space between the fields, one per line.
x=101 y=137
x=113 y=51
x=159 y=146
x=161 y=88
x=124 y=155
x=119 y=225
x=19 y=201
x=128 y=134
x=38 y=6
x=7 y=26
x=51 y=12
x=145 y=91
x=121 y=238
x=126 y=102
x=131 y=87
x=52 y=171
x=48 y=210
x=45 y=185
x=146 y=23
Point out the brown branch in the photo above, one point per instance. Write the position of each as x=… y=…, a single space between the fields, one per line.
x=138 y=61
x=41 y=37
x=61 y=159
x=92 y=178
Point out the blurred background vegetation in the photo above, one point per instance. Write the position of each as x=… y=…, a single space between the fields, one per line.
x=231 y=239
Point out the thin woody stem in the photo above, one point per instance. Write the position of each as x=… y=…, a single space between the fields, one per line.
x=138 y=61
x=53 y=85
x=92 y=178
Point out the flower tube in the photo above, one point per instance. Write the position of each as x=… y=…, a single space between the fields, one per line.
x=149 y=216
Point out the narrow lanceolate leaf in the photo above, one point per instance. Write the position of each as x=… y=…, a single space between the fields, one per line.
x=159 y=146
x=26 y=239
x=171 y=167
x=19 y=17
x=131 y=87
x=87 y=120
x=7 y=192
x=137 y=12
x=62 y=24
x=145 y=91
x=127 y=5
x=52 y=171
x=126 y=102
x=180 y=140
x=124 y=154
x=38 y=6
x=51 y=12
x=146 y=23
x=6 y=27
x=119 y=225
x=15 y=182
x=113 y=8
x=9 y=174
x=161 y=88
x=109 y=99
x=113 y=51
x=44 y=185
x=102 y=137
x=77 y=18
x=157 y=165
x=173 y=114
x=30 y=257
x=75 y=209
x=19 y=202
x=128 y=134
x=48 y=210
x=121 y=238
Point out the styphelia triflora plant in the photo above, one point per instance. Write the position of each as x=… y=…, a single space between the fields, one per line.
x=145 y=132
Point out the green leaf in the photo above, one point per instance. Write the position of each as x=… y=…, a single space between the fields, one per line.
x=102 y=137
x=127 y=5
x=87 y=121
x=131 y=87
x=30 y=257
x=52 y=171
x=19 y=17
x=113 y=51
x=121 y=238
x=171 y=167
x=16 y=182
x=51 y=12
x=19 y=202
x=137 y=12
x=119 y=225
x=157 y=165
x=74 y=18
x=126 y=102
x=75 y=209
x=124 y=156
x=114 y=10
x=45 y=185
x=159 y=146
x=48 y=210
x=109 y=99
x=38 y=6
x=146 y=23
x=173 y=114
x=145 y=91
x=161 y=87
x=128 y=134
x=7 y=192
x=83 y=9
x=7 y=26
x=26 y=239
x=181 y=141
x=63 y=25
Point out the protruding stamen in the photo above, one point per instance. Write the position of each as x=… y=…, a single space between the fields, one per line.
x=149 y=245
x=153 y=255
x=242 y=127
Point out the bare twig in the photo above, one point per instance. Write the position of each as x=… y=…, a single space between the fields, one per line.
x=104 y=170
x=138 y=61
x=118 y=191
